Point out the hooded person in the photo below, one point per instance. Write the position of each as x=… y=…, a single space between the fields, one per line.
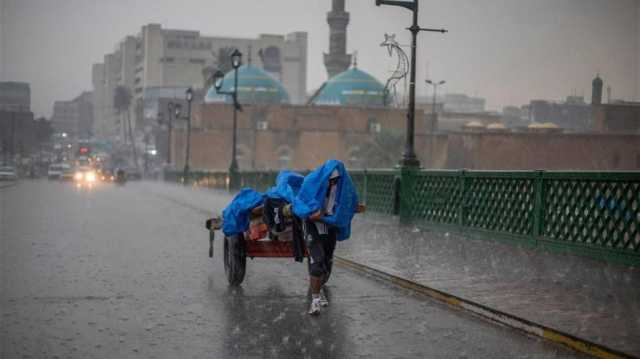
x=326 y=204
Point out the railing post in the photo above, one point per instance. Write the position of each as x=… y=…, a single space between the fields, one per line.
x=538 y=204
x=365 y=187
x=408 y=176
x=462 y=187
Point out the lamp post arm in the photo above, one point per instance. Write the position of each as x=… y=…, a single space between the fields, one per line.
x=411 y=5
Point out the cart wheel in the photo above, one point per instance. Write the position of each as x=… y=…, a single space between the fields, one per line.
x=235 y=260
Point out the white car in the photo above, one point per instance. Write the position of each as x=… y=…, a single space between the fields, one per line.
x=8 y=173
x=55 y=171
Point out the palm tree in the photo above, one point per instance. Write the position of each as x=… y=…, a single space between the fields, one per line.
x=222 y=59
x=207 y=76
x=122 y=103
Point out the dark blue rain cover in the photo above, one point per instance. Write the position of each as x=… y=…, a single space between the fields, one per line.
x=313 y=191
x=235 y=218
x=288 y=184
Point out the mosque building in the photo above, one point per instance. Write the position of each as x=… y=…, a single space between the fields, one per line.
x=347 y=116
x=255 y=86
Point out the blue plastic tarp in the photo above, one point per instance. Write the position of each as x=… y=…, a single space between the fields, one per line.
x=235 y=217
x=312 y=193
x=288 y=184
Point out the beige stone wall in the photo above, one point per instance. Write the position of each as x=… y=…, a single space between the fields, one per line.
x=306 y=135
x=303 y=137
x=487 y=151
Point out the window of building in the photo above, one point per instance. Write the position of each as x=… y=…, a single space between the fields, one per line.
x=262 y=125
x=374 y=126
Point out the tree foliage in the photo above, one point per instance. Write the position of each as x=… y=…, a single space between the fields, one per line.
x=383 y=150
x=223 y=59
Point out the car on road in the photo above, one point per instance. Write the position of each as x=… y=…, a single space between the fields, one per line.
x=8 y=173
x=55 y=171
x=67 y=173
x=85 y=175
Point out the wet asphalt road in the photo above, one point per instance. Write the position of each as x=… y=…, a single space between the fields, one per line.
x=123 y=272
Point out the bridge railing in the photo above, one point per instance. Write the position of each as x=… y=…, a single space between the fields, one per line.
x=589 y=213
x=592 y=213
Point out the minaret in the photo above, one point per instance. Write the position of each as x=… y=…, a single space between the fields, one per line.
x=596 y=90
x=337 y=60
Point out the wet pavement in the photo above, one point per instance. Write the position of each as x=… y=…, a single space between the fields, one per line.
x=123 y=272
x=590 y=299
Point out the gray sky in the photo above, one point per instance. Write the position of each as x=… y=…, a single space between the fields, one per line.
x=508 y=51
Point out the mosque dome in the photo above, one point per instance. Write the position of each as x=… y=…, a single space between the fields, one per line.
x=352 y=87
x=255 y=86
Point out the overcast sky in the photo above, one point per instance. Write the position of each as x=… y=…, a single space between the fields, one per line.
x=508 y=51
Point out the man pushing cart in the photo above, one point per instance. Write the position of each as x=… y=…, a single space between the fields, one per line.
x=301 y=216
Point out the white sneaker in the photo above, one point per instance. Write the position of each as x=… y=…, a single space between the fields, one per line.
x=314 y=308
x=324 y=302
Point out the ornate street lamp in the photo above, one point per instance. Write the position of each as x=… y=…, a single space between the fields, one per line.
x=189 y=97
x=409 y=158
x=218 y=78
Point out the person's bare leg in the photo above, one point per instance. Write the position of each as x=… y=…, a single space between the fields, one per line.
x=316 y=284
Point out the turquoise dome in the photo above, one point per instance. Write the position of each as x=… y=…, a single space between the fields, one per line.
x=255 y=86
x=351 y=88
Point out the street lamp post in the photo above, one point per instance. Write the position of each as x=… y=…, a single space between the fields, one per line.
x=177 y=110
x=189 y=95
x=218 y=77
x=409 y=158
x=169 y=129
x=435 y=91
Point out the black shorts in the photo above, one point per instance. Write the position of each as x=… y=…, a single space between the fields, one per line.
x=320 y=247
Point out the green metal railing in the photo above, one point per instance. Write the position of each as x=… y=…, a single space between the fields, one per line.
x=377 y=189
x=589 y=213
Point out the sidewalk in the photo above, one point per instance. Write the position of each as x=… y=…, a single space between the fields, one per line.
x=589 y=299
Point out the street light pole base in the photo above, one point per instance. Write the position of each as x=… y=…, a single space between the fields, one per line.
x=410 y=162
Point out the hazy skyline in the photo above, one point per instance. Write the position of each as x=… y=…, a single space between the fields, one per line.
x=508 y=51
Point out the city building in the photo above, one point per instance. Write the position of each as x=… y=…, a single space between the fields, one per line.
x=461 y=103
x=574 y=114
x=157 y=57
x=621 y=117
x=74 y=117
x=18 y=135
x=15 y=96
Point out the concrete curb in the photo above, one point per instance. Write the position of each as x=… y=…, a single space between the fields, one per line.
x=521 y=324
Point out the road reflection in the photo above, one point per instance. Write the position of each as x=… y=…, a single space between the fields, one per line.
x=274 y=324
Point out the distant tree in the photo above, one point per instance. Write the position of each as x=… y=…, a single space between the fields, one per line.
x=207 y=76
x=383 y=150
x=122 y=103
